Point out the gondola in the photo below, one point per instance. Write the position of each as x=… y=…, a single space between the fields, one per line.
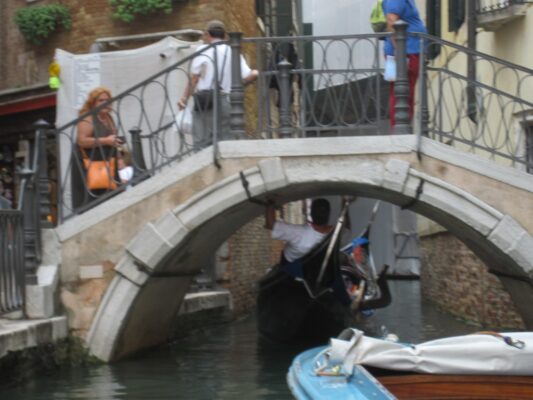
x=313 y=298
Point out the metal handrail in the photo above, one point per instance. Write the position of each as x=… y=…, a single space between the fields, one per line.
x=147 y=137
x=181 y=62
x=329 y=88
x=490 y=123
x=472 y=52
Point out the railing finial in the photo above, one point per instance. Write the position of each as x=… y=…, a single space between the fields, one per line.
x=237 y=88
x=285 y=130
x=401 y=85
x=42 y=180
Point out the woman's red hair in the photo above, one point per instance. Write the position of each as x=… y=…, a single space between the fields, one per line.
x=92 y=97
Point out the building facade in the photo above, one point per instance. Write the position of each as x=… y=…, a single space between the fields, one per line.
x=452 y=275
x=25 y=95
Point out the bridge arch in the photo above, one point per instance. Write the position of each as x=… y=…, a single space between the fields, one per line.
x=447 y=186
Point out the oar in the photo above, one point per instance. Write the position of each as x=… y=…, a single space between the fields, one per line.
x=366 y=234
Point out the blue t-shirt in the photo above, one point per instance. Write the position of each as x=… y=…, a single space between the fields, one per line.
x=407 y=11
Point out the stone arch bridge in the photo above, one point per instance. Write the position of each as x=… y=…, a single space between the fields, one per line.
x=157 y=234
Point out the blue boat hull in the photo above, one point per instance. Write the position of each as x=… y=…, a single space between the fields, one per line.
x=305 y=384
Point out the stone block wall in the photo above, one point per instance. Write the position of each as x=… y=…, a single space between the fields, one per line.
x=454 y=278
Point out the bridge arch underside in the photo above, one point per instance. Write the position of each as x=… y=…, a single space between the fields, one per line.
x=139 y=308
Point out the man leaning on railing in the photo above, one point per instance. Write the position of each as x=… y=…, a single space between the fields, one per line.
x=405 y=10
x=202 y=81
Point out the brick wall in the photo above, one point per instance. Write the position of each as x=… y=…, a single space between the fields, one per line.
x=24 y=64
x=454 y=278
x=250 y=251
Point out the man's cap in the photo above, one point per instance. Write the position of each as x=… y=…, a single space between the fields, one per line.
x=215 y=25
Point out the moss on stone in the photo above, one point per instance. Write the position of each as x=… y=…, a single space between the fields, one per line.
x=18 y=366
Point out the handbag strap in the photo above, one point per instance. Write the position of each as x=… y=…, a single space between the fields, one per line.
x=83 y=153
x=221 y=75
x=95 y=135
x=85 y=157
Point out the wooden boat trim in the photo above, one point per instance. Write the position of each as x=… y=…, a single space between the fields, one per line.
x=425 y=386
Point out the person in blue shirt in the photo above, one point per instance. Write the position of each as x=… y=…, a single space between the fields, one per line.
x=407 y=11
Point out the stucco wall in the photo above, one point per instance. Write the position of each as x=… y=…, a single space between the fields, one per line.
x=511 y=41
x=454 y=278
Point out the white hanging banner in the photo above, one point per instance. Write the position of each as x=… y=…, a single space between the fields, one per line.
x=86 y=76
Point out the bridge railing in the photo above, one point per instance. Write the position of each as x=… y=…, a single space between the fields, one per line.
x=310 y=86
x=20 y=228
x=320 y=86
x=487 y=113
x=154 y=131
x=467 y=99
x=344 y=98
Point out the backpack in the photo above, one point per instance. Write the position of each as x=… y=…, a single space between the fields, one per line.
x=377 y=18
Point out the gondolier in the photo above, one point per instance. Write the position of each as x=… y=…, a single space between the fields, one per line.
x=308 y=295
x=299 y=238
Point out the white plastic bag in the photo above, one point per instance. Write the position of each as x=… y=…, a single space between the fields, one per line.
x=390 y=69
x=184 y=121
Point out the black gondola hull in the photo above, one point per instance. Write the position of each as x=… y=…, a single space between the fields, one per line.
x=287 y=313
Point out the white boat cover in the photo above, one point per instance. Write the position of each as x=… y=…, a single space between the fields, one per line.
x=475 y=354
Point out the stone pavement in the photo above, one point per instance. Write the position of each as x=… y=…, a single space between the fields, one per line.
x=16 y=335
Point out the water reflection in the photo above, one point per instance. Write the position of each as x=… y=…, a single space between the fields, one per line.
x=227 y=361
x=77 y=383
x=411 y=319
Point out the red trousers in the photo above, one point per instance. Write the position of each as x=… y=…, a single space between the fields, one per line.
x=413 y=68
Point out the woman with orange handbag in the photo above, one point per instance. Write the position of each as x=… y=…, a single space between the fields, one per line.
x=97 y=142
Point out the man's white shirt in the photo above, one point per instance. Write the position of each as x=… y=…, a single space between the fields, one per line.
x=300 y=239
x=203 y=65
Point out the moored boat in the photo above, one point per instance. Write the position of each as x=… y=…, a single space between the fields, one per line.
x=484 y=365
x=306 y=384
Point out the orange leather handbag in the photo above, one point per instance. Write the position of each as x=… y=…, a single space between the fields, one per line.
x=100 y=174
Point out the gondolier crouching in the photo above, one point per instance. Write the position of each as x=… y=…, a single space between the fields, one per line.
x=299 y=238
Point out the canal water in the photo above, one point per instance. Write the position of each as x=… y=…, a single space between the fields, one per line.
x=228 y=361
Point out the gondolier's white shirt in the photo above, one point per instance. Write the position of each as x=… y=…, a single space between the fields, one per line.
x=300 y=239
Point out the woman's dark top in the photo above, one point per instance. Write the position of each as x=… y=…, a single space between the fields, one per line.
x=99 y=152
x=80 y=195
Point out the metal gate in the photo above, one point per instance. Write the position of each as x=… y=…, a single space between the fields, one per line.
x=11 y=261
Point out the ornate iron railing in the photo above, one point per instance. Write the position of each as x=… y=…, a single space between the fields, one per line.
x=486 y=116
x=320 y=86
x=147 y=118
x=315 y=86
